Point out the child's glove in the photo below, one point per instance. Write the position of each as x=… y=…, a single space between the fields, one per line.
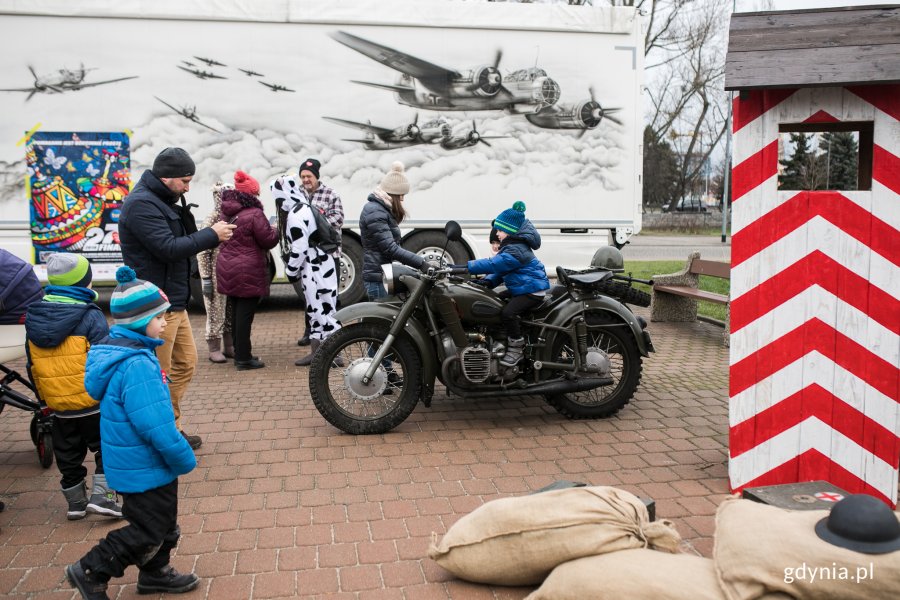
x=207 y=286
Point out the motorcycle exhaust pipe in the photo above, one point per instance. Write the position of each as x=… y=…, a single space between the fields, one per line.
x=549 y=387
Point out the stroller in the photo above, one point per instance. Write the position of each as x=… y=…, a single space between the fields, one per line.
x=19 y=287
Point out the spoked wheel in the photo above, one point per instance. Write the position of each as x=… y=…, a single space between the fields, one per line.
x=625 y=370
x=43 y=442
x=339 y=393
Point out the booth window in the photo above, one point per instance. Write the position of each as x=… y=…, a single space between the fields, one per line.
x=825 y=156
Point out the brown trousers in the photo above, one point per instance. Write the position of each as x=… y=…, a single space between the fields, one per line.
x=178 y=357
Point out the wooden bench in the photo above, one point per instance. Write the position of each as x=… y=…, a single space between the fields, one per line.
x=675 y=296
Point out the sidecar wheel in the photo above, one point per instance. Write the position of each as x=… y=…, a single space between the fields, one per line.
x=338 y=392
x=625 y=369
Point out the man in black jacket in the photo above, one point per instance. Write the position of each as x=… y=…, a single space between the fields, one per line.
x=159 y=239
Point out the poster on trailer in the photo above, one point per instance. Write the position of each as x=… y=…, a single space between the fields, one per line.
x=76 y=184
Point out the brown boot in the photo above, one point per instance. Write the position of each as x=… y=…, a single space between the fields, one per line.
x=215 y=351
x=228 y=342
x=313 y=346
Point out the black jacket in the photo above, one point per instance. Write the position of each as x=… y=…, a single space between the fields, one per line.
x=381 y=240
x=155 y=242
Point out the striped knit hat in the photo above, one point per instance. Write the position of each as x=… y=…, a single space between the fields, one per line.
x=64 y=268
x=135 y=301
x=511 y=219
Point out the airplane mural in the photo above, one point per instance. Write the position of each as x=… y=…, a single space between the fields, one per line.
x=201 y=73
x=210 y=62
x=471 y=137
x=63 y=80
x=276 y=87
x=385 y=138
x=425 y=85
x=189 y=113
x=584 y=115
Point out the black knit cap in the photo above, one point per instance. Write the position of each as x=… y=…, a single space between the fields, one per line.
x=311 y=165
x=172 y=163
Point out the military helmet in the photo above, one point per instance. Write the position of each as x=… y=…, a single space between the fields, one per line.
x=609 y=257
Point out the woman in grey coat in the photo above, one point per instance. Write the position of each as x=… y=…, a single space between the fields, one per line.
x=379 y=225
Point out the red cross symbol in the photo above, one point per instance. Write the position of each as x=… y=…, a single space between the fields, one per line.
x=829 y=496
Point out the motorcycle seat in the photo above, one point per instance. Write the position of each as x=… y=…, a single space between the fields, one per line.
x=589 y=278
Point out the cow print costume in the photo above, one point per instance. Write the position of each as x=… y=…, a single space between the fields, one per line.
x=307 y=263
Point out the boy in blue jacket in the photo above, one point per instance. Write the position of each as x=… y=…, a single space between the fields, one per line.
x=516 y=266
x=143 y=451
x=60 y=329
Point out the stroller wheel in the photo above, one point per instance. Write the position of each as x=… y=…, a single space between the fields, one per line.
x=45 y=449
x=43 y=441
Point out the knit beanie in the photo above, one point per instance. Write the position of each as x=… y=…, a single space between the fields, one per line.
x=245 y=183
x=511 y=219
x=395 y=181
x=64 y=268
x=135 y=301
x=172 y=163
x=311 y=165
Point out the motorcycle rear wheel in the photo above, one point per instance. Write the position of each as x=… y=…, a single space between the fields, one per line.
x=625 y=369
x=338 y=392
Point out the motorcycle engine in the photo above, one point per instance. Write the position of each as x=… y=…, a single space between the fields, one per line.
x=476 y=363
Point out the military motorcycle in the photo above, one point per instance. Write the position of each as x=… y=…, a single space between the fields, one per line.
x=583 y=354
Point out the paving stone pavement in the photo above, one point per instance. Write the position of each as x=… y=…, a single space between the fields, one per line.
x=283 y=505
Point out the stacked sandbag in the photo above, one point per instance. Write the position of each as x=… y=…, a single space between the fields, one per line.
x=640 y=574
x=519 y=541
x=763 y=551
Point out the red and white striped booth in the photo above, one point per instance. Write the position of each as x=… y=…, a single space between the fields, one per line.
x=815 y=315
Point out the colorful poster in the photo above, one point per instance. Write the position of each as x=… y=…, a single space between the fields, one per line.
x=76 y=184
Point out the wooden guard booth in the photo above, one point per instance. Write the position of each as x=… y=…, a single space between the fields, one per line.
x=815 y=275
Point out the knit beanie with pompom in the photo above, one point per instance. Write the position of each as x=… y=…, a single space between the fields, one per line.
x=135 y=301
x=395 y=181
x=511 y=219
x=245 y=183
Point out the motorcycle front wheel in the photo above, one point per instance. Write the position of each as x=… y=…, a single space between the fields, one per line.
x=625 y=369
x=336 y=380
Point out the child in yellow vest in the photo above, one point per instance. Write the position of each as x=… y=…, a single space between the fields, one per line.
x=59 y=330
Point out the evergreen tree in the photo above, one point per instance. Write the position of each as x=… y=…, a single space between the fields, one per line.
x=796 y=168
x=660 y=171
x=840 y=152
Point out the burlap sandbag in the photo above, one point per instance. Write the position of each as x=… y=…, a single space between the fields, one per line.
x=518 y=541
x=633 y=575
x=761 y=549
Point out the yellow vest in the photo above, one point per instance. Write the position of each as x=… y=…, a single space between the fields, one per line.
x=58 y=374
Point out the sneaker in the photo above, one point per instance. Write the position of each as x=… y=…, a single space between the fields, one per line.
x=105 y=505
x=89 y=587
x=166 y=581
x=193 y=440
x=245 y=365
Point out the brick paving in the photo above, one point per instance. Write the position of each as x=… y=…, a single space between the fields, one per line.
x=283 y=505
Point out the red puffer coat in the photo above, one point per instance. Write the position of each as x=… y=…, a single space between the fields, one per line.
x=241 y=267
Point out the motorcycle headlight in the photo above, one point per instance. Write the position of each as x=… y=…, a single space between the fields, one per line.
x=391 y=276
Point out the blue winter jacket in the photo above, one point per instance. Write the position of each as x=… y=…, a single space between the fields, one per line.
x=142 y=449
x=515 y=265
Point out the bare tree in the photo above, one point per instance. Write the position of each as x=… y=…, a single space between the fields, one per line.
x=685 y=47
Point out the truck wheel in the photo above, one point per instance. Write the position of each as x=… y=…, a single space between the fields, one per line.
x=350 y=288
x=430 y=245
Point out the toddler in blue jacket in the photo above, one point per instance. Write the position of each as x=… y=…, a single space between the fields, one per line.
x=516 y=266
x=143 y=451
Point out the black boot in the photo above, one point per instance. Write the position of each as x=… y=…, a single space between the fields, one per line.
x=304 y=341
x=195 y=441
x=253 y=363
x=166 y=581
x=87 y=584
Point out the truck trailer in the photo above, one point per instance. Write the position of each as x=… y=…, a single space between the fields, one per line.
x=486 y=104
